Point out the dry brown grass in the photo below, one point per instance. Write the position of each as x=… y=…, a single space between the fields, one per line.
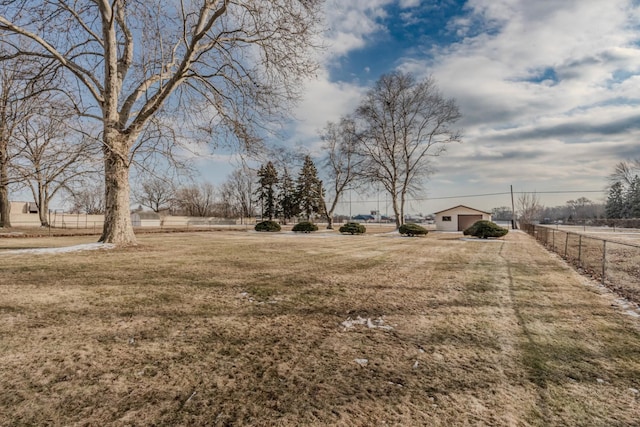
x=246 y=329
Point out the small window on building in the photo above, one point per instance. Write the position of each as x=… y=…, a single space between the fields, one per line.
x=446 y=218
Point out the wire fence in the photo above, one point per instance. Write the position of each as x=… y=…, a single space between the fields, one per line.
x=615 y=264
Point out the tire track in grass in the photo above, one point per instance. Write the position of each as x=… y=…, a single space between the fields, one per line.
x=532 y=357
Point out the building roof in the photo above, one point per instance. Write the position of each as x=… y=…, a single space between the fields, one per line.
x=462 y=206
x=147 y=215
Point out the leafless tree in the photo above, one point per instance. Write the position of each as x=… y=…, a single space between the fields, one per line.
x=50 y=156
x=405 y=123
x=157 y=194
x=87 y=197
x=8 y=116
x=625 y=172
x=237 y=64
x=22 y=84
x=238 y=192
x=529 y=208
x=341 y=164
x=197 y=199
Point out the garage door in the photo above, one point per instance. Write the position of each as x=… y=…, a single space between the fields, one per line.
x=466 y=221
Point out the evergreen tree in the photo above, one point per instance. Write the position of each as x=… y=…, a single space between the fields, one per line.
x=633 y=199
x=267 y=191
x=309 y=189
x=288 y=204
x=615 y=201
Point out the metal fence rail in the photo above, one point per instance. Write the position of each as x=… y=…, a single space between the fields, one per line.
x=615 y=264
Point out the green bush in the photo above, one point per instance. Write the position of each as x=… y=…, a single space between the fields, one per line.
x=353 y=228
x=412 y=230
x=271 y=226
x=485 y=229
x=304 y=227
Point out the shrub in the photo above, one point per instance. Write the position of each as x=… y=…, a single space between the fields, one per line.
x=353 y=228
x=485 y=229
x=304 y=227
x=412 y=230
x=271 y=226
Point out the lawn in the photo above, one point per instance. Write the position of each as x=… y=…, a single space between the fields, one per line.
x=241 y=328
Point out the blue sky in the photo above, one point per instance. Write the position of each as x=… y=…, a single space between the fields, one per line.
x=549 y=90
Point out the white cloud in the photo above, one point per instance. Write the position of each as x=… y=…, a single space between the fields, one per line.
x=351 y=24
x=566 y=132
x=324 y=101
x=406 y=4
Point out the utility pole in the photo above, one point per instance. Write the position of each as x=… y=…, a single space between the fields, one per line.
x=514 y=226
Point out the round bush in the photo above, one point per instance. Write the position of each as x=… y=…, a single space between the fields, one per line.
x=304 y=227
x=270 y=226
x=412 y=230
x=485 y=229
x=353 y=228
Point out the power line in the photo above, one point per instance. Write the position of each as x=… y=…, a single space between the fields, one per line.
x=515 y=192
x=425 y=199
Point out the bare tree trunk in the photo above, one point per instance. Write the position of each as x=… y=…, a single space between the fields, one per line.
x=43 y=206
x=118 y=228
x=398 y=213
x=5 y=205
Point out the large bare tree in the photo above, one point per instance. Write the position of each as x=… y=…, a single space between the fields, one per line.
x=235 y=63
x=50 y=156
x=238 y=190
x=8 y=122
x=341 y=164
x=198 y=199
x=156 y=193
x=404 y=123
x=529 y=208
x=23 y=85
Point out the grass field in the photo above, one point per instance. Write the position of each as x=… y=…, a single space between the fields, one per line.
x=238 y=328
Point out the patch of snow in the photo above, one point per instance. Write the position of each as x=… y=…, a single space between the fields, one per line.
x=470 y=239
x=371 y=324
x=634 y=390
x=415 y=365
x=247 y=296
x=361 y=362
x=64 y=249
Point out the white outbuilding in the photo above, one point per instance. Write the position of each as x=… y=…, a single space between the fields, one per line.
x=459 y=218
x=145 y=219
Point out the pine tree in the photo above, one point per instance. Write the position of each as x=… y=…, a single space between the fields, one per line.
x=633 y=199
x=309 y=189
x=267 y=190
x=616 y=201
x=288 y=204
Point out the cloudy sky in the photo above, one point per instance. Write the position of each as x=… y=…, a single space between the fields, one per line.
x=549 y=90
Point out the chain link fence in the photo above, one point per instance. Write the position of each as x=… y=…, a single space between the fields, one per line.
x=615 y=264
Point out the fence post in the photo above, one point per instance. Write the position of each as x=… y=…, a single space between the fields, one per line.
x=566 y=244
x=553 y=239
x=604 y=260
x=580 y=250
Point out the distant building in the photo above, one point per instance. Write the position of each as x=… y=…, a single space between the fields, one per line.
x=145 y=219
x=459 y=218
